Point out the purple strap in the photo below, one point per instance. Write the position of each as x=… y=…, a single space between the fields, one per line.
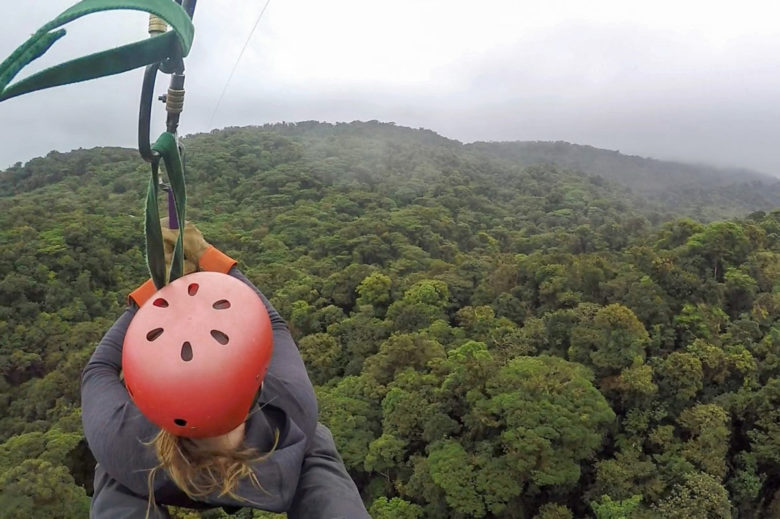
x=173 y=222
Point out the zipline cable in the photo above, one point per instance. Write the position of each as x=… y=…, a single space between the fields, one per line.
x=235 y=66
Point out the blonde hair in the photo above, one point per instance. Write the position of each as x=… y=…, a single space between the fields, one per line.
x=200 y=471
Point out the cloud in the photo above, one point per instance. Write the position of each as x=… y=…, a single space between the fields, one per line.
x=692 y=81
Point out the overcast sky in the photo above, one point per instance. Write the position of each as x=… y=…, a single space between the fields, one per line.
x=691 y=80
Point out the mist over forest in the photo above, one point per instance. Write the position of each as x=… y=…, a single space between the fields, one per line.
x=495 y=330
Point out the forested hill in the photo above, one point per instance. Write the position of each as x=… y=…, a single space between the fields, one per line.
x=643 y=174
x=487 y=339
x=685 y=188
x=387 y=153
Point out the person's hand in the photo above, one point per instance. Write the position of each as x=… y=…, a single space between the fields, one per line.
x=189 y=265
x=194 y=244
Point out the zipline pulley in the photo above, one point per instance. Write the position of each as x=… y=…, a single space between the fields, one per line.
x=164 y=51
x=174 y=99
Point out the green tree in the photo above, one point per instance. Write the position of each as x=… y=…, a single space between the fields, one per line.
x=680 y=377
x=452 y=471
x=350 y=414
x=634 y=386
x=399 y=352
x=720 y=244
x=546 y=417
x=629 y=473
x=609 y=341
x=37 y=488
x=395 y=508
x=707 y=448
x=609 y=509
x=553 y=511
x=375 y=290
x=322 y=355
x=740 y=290
x=699 y=496
x=421 y=305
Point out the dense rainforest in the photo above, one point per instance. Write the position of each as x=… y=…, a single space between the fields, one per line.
x=489 y=337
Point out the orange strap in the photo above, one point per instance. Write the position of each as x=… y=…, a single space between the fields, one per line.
x=142 y=293
x=213 y=260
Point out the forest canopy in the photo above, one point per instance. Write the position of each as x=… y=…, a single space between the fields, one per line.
x=488 y=338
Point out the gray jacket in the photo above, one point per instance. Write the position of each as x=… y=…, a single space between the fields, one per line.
x=304 y=476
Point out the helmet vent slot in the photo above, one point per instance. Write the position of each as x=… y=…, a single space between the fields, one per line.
x=162 y=303
x=181 y=422
x=186 y=352
x=222 y=304
x=154 y=334
x=192 y=289
x=220 y=337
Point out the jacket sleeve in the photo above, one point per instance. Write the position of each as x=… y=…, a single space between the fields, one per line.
x=113 y=501
x=325 y=489
x=115 y=429
x=288 y=370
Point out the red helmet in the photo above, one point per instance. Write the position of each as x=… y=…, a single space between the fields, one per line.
x=195 y=354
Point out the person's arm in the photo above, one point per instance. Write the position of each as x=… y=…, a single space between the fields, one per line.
x=113 y=501
x=287 y=372
x=115 y=429
x=325 y=489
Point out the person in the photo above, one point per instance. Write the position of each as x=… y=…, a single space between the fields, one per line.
x=251 y=436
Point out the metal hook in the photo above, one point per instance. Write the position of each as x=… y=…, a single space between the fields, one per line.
x=145 y=114
x=175 y=67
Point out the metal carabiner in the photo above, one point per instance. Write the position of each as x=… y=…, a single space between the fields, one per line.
x=145 y=114
x=174 y=67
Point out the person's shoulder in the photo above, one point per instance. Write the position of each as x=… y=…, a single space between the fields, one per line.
x=270 y=424
x=295 y=397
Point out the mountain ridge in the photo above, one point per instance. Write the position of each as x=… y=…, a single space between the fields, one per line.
x=699 y=191
x=572 y=155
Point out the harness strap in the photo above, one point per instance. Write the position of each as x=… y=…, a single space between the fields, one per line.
x=168 y=149
x=173 y=44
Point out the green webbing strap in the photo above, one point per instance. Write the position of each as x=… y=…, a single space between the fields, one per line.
x=172 y=44
x=168 y=149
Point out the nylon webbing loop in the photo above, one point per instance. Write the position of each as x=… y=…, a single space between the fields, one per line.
x=172 y=44
x=168 y=149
